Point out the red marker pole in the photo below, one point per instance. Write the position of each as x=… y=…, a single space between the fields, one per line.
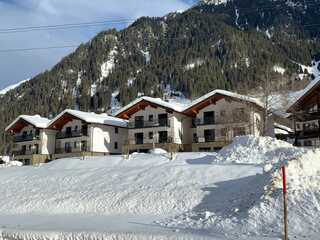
x=285 y=202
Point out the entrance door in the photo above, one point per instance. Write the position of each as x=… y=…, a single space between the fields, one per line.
x=139 y=138
x=209 y=135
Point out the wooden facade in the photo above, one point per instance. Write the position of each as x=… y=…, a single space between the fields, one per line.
x=306 y=117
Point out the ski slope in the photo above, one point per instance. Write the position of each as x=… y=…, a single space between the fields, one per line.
x=234 y=194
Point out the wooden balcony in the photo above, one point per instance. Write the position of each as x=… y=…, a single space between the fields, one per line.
x=73 y=134
x=26 y=138
x=149 y=124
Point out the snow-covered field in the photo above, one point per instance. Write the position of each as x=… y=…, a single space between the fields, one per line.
x=235 y=194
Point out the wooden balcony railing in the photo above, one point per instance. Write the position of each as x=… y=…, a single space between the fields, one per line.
x=73 y=134
x=149 y=124
x=26 y=138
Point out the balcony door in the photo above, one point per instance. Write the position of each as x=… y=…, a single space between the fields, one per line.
x=209 y=135
x=23 y=150
x=208 y=117
x=138 y=121
x=68 y=132
x=84 y=129
x=163 y=119
x=67 y=147
x=139 y=138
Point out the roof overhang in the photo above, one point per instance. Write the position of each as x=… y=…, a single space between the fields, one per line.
x=298 y=104
x=17 y=125
x=194 y=109
x=61 y=120
x=142 y=104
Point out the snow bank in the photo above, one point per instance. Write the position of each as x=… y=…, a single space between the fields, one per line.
x=253 y=150
x=253 y=205
x=158 y=151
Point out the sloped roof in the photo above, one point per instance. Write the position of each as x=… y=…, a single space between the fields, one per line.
x=35 y=120
x=224 y=93
x=90 y=117
x=312 y=85
x=157 y=101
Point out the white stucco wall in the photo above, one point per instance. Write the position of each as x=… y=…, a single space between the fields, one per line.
x=104 y=138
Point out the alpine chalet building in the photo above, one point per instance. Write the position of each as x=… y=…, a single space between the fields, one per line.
x=305 y=114
x=33 y=142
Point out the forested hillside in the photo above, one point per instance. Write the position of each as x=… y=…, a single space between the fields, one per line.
x=234 y=46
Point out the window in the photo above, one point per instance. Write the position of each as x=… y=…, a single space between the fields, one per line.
x=195 y=138
x=209 y=135
x=163 y=137
x=115 y=145
x=298 y=126
x=75 y=144
x=312 y=108
x=223 y=114
x=150 y=118
x=138 y=138
x=67 y=147
x=163 y=120
x=307 y=143
x=150 y=135
x=224 y=132
x=138 y=121
x=239 y=131
x=76 y=128
x=116 y=130
x=239 y=115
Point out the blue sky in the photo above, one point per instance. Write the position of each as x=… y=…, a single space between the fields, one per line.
x=17 y=66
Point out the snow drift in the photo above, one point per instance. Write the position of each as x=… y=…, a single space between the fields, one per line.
x=253 y=205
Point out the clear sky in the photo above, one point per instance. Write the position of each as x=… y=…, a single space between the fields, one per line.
x=17 y=66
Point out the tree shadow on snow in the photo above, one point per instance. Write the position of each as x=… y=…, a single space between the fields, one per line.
x=232 y=198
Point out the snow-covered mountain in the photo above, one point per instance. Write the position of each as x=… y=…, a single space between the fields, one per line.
x=226 y=46
x=214 y=2
x=12 y=87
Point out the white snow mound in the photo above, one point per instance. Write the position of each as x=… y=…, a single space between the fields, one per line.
x=257 y=150
x=253 y=205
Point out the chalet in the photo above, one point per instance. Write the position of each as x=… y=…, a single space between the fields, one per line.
x=33 y=142
x=305 y=114
x=82 y=133
x=156 y=123
x=219 y=116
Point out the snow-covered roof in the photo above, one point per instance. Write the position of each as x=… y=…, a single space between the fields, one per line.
x=157 y=101
x=91 y=117
x=35 y=120
x=283 y=129
x=225 y=93
x=305 y=92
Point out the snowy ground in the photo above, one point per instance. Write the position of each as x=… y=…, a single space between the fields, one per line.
x=235 y=194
